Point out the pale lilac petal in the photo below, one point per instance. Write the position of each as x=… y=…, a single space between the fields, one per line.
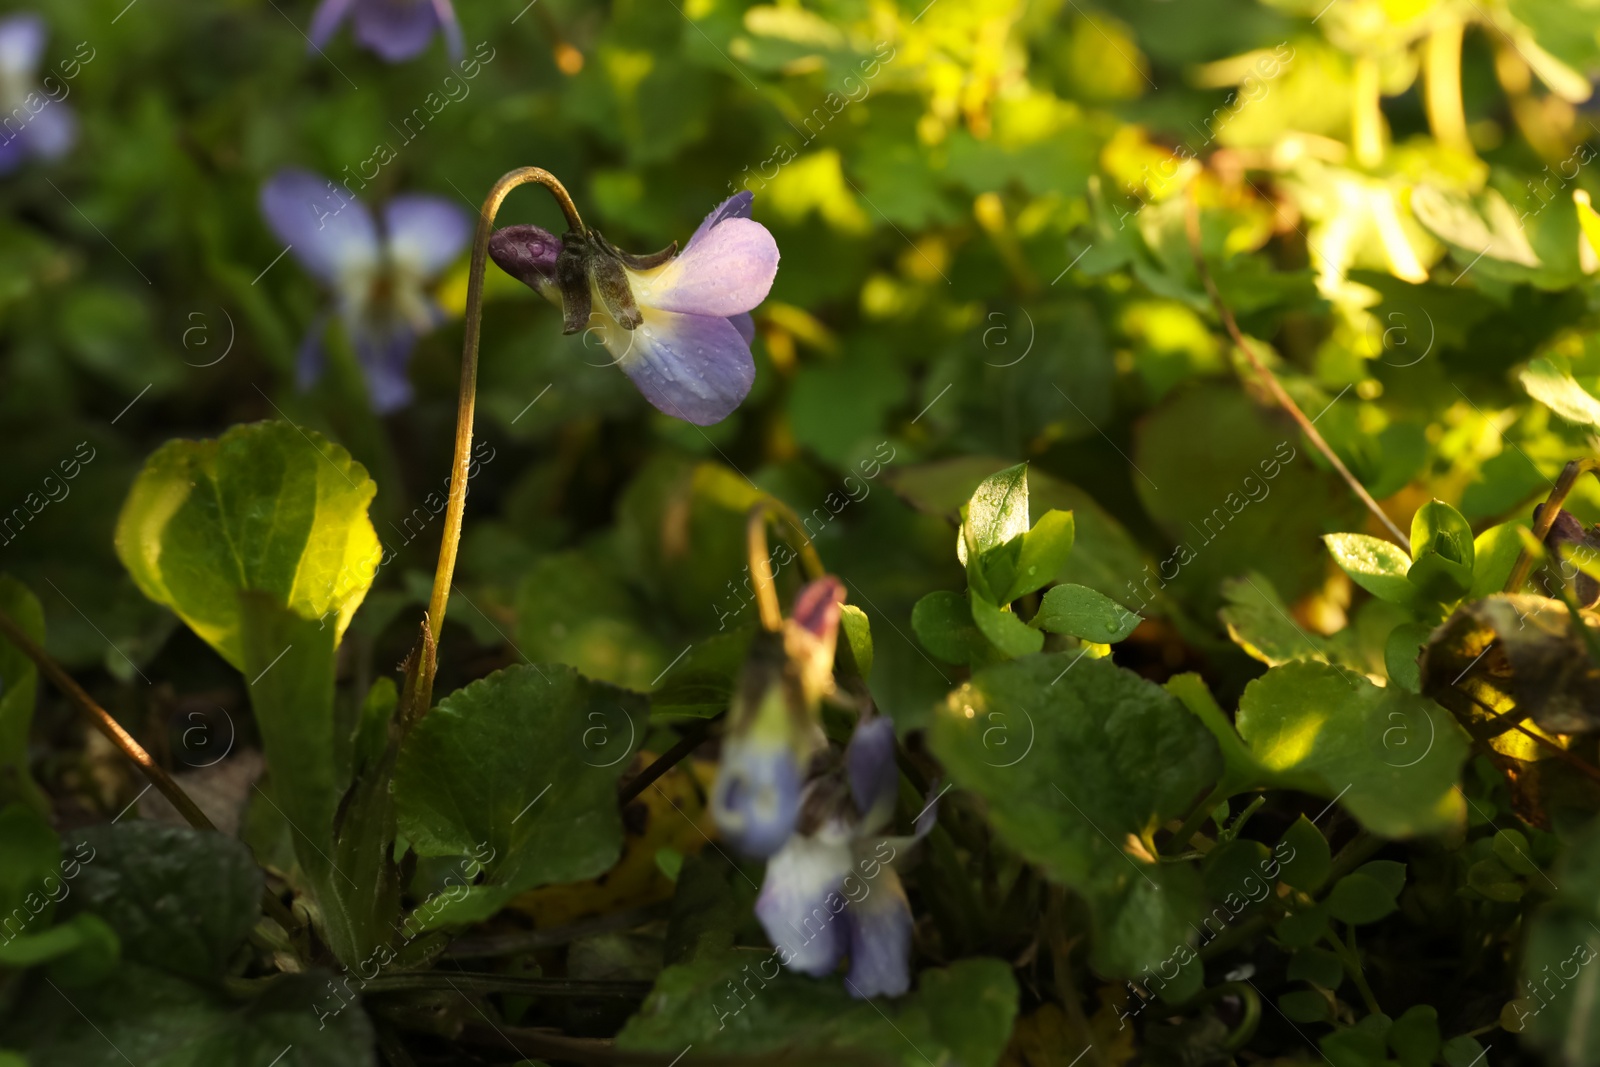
x=12 y=151
x=395 y=29
x=425 y=233
x=930 y=812
x=312 y=357
x=874 y=777
x=756 y=798
x=329 y=232
x=50 y=134
x=384 y=355
x=746 y=325
x=727 y=271
x=736 y=206
x=693 y=367
x=453 y=43
x=21 y=46
x=325 y=21
x=527 y=253
x=880 y=939
x=801 y=906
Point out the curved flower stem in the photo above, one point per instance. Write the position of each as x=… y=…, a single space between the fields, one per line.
x=1274 y=386
x=103 y=722
x=760 y=567
x=1366 y=112
x=760 y=561
x=1442 y=81
x=1547 y=517
x=466 y=404
x=1240 y=1035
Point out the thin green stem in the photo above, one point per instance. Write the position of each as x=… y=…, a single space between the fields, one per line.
x=1274 y=386
x=466 y=403
x=1191 y=825
x=1350 y=959
x=1442 y=78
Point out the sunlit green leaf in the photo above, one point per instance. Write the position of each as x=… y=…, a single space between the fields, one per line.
x=267 y=508
x=1392 y=758
x=1113 y=757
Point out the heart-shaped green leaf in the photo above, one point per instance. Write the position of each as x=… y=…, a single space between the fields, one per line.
x=1376 y=565
x=1086 y=614
x=1111 y=758
x=179 y=899
x=519 y=772
x=267 y=508
x=997 y=512
x=1392 y=758
x=958 y=1015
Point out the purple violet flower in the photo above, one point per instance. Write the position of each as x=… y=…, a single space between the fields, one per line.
x=773 y=727
x=375 y=267
x=832 y=890
x=679 y=326
x=34 y=121
x=397 y=30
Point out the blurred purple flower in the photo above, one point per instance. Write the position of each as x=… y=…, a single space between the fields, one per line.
x=375 y=267
x=832 y=890
x=34 y=122
x=679 y=326
x=395 y=29
x=773 y=728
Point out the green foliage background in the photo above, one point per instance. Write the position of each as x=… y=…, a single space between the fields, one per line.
x=980 y=206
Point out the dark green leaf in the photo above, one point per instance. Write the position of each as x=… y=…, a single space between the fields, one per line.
x=1307 y=858
x=154 y=1019
x=1317 y=965
x=1359 y=898
x=739 y=1004
x=1305 y=1006
x=1415 y=1035
x=943 y=623
x=519 y=771
x=1085 y=613
x=181 y=900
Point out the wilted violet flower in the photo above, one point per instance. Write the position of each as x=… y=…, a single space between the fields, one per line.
x=679 y=326
x=395 y=29
x=34 y=122
x=376 y=269
x=773 y=728
x=832 y=890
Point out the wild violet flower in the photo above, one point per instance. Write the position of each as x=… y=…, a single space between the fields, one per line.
x=376 y=268
x=397 y=30
x=832 y=890
x=679 y=326
x=33 y=120
x=773 y=727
